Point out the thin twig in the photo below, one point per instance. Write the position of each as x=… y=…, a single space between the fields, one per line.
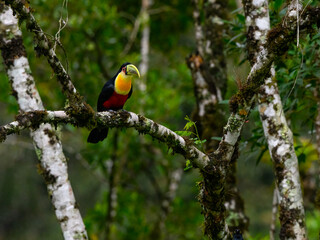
x=298 y=73
x=62 y=24
x=132 y=36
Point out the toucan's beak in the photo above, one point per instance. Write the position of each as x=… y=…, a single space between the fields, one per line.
x=132 y=70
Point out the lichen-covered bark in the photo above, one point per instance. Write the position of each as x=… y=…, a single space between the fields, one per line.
x=198 y=29
x=278 y=40
x=210 y=46
x=44 y=46
x=258 y=25
x=281 y=148
x=212 y=189
x=47 y=145
x=208 y=71
x=206 y=97
x=215 y=13
x=236 y=218
x=279 y=136
x=208 y=66
x=119 y=118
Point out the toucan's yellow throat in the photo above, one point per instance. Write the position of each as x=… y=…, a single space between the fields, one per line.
x=123 y=80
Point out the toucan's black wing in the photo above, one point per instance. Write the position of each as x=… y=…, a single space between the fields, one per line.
x=105 y=94
x=129 y=94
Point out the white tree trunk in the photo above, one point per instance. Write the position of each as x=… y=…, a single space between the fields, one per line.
x=276 y=130
x=47 y=145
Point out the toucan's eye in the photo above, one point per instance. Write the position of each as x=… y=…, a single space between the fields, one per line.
x=124 y=69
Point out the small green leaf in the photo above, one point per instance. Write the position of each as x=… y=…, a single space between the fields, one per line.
x=241 y=18
x=184 y=133
x=188 y=165
x=187 y=118
x=226 y=101
x=277 y=4
x=302 y=158
x=216 y=138
x=188 y=125
x=197 y=141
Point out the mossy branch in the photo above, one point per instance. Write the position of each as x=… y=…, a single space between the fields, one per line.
x=111 y=119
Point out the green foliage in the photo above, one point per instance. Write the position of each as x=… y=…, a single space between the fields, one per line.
x=313 y=224
x=188 y=165
x=196 y=138
x=193 y=135
x=236 y=37
x=298 y=74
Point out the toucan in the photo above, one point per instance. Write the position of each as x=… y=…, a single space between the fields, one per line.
x=113 y=96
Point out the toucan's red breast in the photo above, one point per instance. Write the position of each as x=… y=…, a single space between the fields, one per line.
x=116 y=101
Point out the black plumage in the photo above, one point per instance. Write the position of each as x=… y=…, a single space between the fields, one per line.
x=108 y=100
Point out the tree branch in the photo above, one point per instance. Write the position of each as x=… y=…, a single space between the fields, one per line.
x=133 y=35
x=209 y=76
x=111 y=119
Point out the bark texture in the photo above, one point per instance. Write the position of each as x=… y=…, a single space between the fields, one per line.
x=281 y=148
x=277 y=43
x=119 y=118
x=207 y=113
x=208 y=69
x=276 y=130
x=215 y=13
x=208 y=65
x=53 y=165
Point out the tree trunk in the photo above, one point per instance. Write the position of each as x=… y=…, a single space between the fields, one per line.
x=53 y=164
x=276 y=130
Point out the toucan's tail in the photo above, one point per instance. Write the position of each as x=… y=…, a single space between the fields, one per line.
x=97 y=135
